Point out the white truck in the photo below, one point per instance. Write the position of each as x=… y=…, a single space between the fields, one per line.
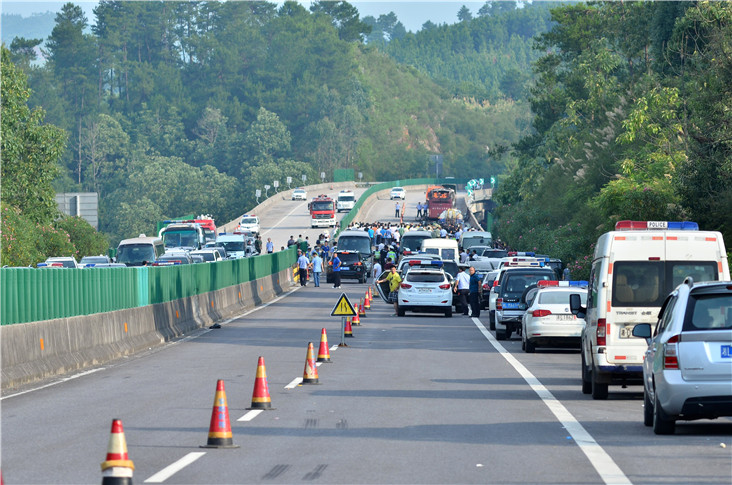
x=634 y=268
x=345 y=201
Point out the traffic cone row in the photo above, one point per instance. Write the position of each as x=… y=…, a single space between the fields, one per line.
x=348 y=330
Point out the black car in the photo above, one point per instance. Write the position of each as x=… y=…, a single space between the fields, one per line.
x=351 y=267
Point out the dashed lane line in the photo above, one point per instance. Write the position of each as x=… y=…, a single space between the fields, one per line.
x=605 y=466
x=174 y=468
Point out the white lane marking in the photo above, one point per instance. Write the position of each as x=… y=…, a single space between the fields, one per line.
x=299 y=206
x=250 y=415
x=60 y=381
x=605 y=466
x=334 y=348
x=296 y=382
x=174 y=468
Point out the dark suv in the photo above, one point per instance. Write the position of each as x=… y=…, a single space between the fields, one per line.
x=513 y=285
x=351 y=267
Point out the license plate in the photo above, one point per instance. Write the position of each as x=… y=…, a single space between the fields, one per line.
x=565 y=318
x=345 y=268
x=727 y=351
x=425 y=290
x=511 y=306
x=627 y=331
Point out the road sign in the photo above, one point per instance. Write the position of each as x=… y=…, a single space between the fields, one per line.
x=343 y=308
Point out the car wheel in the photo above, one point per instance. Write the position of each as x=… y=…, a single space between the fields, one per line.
x=530 y=347
x=448 y=312
x=523 y=344
x=662 y=424
x=401 y=312
x=647 y=409
x=586 y=383
x=492 y=320
x=500 y=335
x=599 y=389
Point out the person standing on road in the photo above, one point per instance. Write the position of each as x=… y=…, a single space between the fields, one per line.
x=258 y=244
x=302 y=264
x=290 y=242
x=463 y=256
x=377 y=270
x=394 y=281
x=336 y=261
x=317 y=266
x=396 y=210
x=462 y=288
x=475 y=281
x=270 y=246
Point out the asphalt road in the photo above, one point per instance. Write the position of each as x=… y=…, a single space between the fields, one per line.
x=418 y=399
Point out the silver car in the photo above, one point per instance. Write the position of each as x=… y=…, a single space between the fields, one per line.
x=687 y=369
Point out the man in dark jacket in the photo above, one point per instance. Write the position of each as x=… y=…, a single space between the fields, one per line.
x=475 y=281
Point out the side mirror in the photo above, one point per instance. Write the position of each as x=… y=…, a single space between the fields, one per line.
x=575 y=304
x=642 y=330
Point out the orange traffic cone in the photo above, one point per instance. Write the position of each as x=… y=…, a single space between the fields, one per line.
x=117 y=468
x=310 y=374
x=219 y=432
x=356 y=320
x=367 y=302
x=371 y=293
x=361 y=311
x=348 y=330
x=260 y=395
x=324 y=351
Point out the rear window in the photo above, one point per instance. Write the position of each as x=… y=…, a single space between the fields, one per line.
x=348 y=258
x=413 y=243
x=647 y=283
x=425 y=277
x=345 y=198
x=362 y=244
x=248 y=220
x=560 y=297
x=448 y=253
x=514 y=285
x=709 y=312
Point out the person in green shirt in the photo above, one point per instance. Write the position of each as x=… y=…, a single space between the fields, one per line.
x=394 y=281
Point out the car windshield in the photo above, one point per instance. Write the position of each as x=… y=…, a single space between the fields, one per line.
x=709 y=312
x=180 y=238
x=232 y=246
x=355 y=243
x=348 y=258
x=414 y=242
x=207 y=256
x=135 y=253
x=646 y=283
x=494 y=253
x=413 y=277
x=94 y=259
x=448 y=253
x=248 y=220
x=322 y=206
x=515 y=285
x=346 y=198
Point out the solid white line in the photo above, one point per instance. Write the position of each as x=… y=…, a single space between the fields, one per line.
x=299 y=206
x=296 y=382
x=174 y=468
x=250 y=415
x=334 y=348
x=60 y=381
x=605 y=466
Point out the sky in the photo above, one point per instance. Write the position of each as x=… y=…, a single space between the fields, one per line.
x=411 y=13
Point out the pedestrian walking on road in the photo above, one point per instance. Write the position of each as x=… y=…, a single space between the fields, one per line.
x=397 y=210
x=316 y=264
x=302 y=264
x=462 y=289
x=475 y=281
x=336 y=270
x=270 y=246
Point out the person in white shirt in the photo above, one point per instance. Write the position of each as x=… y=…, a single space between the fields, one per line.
x=377 y=270
x=464 y=256
x=462 y=288
x=443 y=233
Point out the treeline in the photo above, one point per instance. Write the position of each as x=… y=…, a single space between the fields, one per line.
x=632 y=111
x=177 y=107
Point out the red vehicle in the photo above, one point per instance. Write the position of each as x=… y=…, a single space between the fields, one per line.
x=439 y=199
x=322 y=211
x=208 y=226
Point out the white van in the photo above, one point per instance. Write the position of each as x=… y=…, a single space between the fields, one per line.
x=345 y=201
x=634 y=268
x=139 y=251
x=447 y=249
x=468 y=239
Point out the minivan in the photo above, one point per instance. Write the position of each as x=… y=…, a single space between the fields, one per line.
x=359 y=241
x=447 y=249
x=475 y=238
x=139 y=251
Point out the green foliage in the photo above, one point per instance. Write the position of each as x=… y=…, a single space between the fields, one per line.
x=18 y=239
x=86 y=240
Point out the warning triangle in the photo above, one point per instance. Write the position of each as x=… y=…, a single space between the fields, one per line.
x=343 y=308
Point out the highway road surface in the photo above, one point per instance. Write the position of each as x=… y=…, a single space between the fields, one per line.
x=418 y=399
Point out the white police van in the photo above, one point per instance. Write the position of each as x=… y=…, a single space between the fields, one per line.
x=345 y=201
x=634 y=268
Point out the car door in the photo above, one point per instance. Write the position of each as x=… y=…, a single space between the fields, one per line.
x=383 y=288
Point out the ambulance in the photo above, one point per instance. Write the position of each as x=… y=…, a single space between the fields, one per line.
x=634 y=268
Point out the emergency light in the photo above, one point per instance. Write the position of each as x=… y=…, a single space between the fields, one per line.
x=546 y=283
x=656 y=225
x=433 y=262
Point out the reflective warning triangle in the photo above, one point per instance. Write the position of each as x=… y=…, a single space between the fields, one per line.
x=343 y=308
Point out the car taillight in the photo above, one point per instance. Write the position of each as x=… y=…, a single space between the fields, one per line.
x=540 y=313
x=670 y=357
x=495 y=283
x=499 y=303
x=601 y=331
x=446 y=286
x=357 y=264
x=486 y=286
x=405 y=286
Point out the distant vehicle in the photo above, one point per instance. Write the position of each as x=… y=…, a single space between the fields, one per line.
x=411 y=242
x=425 y=290
x=687 y=369
x=87 y=260
x=439 y=199
x=634 y=268
x=181 y=256
x=447 y=249
x=220 y=249
x=360 y=242
x=208 y=226
x=351 y=267
x=208 y=255
x=299 y=194
x=322 y=211
x=140 y=250
x=485 y=288
x=188 y=235
x=548 y=320
x=106 y=265
x=235 y=244
x=510 y=291
x=468 y=239
x=249 y=222
x=398 y=193
x=345 y=201
x=66 y=261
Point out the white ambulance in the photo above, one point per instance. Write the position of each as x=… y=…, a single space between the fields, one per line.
x=634 y=268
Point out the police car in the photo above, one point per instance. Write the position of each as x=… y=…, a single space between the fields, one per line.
x=250 y=223
x=548 y=320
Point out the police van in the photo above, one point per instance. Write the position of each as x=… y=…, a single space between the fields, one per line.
x=634 y=268
x=345 y=201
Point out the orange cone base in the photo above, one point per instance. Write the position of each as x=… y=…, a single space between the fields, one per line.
x=324 y=360
x=267 y=406
x=310 y=380
x=220 y=443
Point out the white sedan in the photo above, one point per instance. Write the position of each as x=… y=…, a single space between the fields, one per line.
x=398 y=193
x=548 y=320
x=299 y=194
x=425 y=290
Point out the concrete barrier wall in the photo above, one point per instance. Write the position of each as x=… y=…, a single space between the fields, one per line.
x=39 y=350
